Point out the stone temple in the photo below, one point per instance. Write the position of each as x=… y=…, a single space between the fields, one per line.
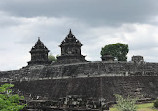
x=39 y=54
x=74 y=83
x=70 y=50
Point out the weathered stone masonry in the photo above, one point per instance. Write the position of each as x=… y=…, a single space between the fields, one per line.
x=90 y=87
x=73 y=75
x=55 y=81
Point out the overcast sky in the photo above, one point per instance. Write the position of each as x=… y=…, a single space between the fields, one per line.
x=95 y=23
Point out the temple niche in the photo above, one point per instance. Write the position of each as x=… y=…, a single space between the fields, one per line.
x=39 y=54
x=70 y=50
x=137 y=59
x=107 y=57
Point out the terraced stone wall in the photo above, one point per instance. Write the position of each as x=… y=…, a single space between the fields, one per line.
x=90 y=87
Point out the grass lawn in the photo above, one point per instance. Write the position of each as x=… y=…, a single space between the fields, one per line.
x=141 y=107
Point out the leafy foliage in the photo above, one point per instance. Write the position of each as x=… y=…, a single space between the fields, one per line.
x=125 y=104
x=156 y=104
x=141 y=107
x=9 y=101
x=118 y=50
x=51 y=57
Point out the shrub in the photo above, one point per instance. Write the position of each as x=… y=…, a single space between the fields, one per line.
x=9 y=101
x=51 y=57
x=125 y=104
x=156 y=104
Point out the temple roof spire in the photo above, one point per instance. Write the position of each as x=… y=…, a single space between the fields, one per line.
x=39 y=41
x=70 y=39
x=70 y=32
x=70 y=35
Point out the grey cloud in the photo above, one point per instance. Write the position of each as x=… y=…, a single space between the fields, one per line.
x=51 y=20
x=102 y=12
x=143 y=46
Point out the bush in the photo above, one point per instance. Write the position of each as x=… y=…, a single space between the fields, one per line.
x=125 y=104
x=9 y=101
x=156 y=104
x=51 y=57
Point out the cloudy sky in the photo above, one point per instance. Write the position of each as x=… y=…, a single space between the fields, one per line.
x=94 y=22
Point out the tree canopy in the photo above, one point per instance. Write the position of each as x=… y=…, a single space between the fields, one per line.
x=118 y=51
x=51 y=57
x=9 y=101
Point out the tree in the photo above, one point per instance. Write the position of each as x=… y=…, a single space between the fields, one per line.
x=118 y=51
x=9 y=101
x=51 y=57
x=125 y=104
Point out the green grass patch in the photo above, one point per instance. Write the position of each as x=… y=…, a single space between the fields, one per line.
x=141 y=107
